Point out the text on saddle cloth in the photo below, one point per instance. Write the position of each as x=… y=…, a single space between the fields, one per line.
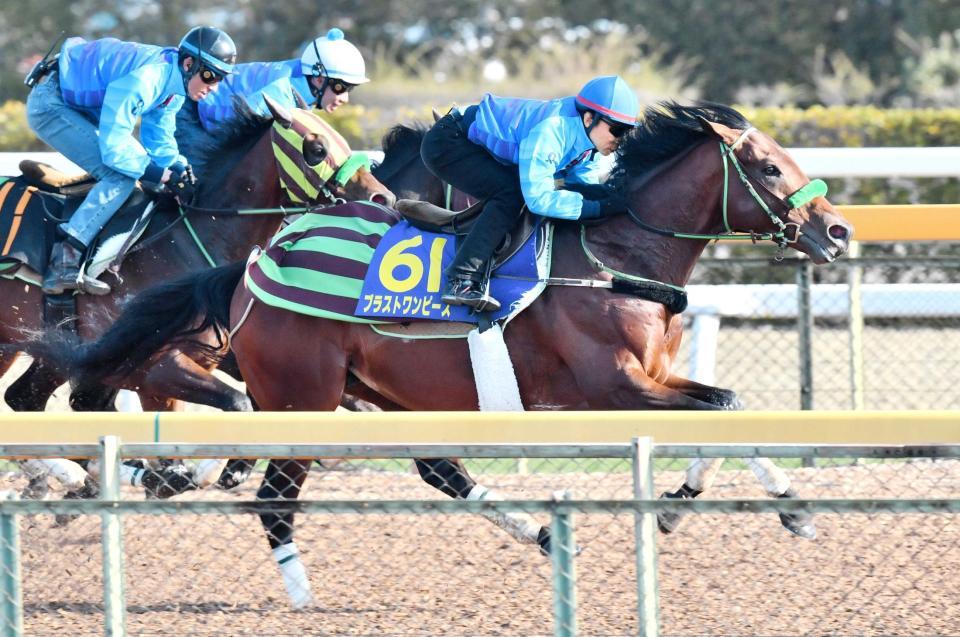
x=407 y=274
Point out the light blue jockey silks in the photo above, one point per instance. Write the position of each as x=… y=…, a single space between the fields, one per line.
x=252 y=81
x=116 y=83
x=547 y=141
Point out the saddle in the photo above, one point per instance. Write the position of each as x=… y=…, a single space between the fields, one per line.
x=49 y=179
x=433 y=218
x=33 y=204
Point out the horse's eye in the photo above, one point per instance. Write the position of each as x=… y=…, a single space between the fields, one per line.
x=771 y=170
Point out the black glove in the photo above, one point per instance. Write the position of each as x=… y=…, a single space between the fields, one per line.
x=589 y=191
x=613 y=204
x=183 y=184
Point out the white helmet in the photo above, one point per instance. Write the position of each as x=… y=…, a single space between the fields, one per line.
x=333 y=57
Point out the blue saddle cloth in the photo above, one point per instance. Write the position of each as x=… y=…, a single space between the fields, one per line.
x=407 y=275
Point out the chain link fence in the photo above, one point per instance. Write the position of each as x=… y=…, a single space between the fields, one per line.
x=383 y=552
x=747 y=329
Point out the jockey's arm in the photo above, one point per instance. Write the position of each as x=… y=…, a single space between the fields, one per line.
x=280 y=91
x=125 y=100
x=540 y=154
x=156 y=132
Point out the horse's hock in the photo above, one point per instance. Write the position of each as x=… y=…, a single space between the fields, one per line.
x=395 y=568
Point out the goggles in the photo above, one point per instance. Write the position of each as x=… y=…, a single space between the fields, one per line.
x=617 y=129
x=339 y=87
x=209 y=76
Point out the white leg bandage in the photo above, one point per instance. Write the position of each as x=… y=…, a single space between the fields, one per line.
x=521 y=526
x=67 y=472
x=772 y=477
x=208 y=471
x=702 y=472
x=294 y=575
x=130 y=475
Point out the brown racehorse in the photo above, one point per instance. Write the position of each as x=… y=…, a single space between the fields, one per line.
x=237 y=170
x=689 y=174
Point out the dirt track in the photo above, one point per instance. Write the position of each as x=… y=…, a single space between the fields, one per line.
x=458 y=575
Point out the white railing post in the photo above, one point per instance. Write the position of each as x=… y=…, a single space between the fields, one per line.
x=704 y=334
x=114 y=600
x=855 y=279
x=648 y=595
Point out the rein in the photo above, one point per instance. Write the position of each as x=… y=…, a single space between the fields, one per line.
x=676 y=295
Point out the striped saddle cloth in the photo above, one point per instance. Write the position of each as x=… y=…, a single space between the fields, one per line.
x=363 y=263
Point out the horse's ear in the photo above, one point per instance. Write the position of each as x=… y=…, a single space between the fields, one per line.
x=281 y=115
x=301 y=103
x=708 y=127
x=436 y=114
x=717 y=131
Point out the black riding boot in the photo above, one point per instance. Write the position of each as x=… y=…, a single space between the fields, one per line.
x=469 y=289
x=63 y=272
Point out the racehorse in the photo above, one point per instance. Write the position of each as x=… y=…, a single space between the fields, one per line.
x=239 y=174
x=691 y=174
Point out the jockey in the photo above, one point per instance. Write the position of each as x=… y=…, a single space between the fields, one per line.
x=510 y=152
x=87 y=106
x=329 y=68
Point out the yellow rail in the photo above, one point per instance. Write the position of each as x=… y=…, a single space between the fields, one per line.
x=774 y=427
x=904 y=223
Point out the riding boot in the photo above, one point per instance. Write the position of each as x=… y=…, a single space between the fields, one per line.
x=63 y=273
x=473 y=291
x=63 y=269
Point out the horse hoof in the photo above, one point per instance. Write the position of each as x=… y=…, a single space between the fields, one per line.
x=668 y=521
x=167 y=483
x=800 y=524
x=543 y=539
x=36 y=489
x=88 y=491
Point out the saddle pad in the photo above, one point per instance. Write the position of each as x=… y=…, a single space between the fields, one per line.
x=25 y=232
x=406 y=276
x=28 y=228
x=316 y=265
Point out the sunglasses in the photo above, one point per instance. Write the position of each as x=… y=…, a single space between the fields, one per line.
x=339 y=87
x=208 y=76
x=617 y=129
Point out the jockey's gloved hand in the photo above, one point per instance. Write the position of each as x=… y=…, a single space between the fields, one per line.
x=613 y=204
x=589 y=191
x=183 y=185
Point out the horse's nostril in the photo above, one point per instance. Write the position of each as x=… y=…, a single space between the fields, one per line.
x=379 y=198
x=838 y=232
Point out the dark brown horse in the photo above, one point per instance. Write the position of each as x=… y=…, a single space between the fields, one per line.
x=689 y=174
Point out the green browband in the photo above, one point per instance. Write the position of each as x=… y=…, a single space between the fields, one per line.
x=350 y=167
x=816 y=188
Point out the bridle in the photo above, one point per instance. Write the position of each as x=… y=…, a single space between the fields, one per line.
x=803 y=196
x=674 y=296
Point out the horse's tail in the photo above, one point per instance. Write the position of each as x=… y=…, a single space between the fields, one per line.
x=154 y=319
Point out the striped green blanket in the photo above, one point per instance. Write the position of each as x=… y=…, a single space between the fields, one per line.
x=316 y=265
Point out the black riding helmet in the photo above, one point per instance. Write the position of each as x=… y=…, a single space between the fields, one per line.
x=213 y=50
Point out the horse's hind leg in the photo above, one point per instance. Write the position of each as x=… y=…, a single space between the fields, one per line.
x=283 y=481
x=777 y=485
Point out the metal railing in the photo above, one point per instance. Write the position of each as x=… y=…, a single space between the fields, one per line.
x=640 y=457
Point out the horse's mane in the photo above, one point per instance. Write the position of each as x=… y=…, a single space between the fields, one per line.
x=667 y=130
x=399 y=144
x=214 y=154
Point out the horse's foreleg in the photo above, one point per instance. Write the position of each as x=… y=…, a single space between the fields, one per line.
x=449 y=476
x=283 y=481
